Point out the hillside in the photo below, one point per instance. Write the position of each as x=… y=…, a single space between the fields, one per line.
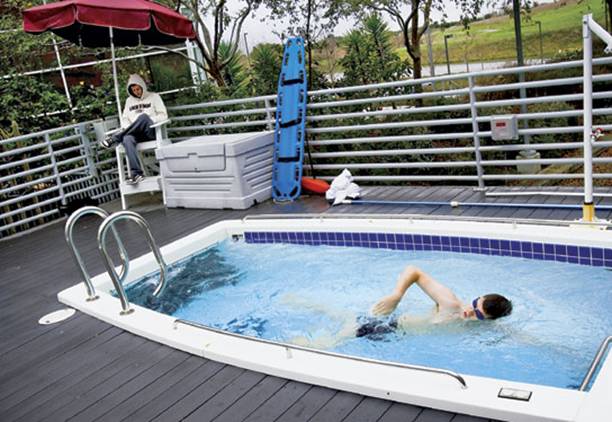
x=493 y=39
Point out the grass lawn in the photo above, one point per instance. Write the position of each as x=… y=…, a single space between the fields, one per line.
x=493 y=39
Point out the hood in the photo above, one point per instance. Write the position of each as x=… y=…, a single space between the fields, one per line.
x=137 y=80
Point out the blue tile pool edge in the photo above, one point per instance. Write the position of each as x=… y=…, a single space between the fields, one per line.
x=582 y=255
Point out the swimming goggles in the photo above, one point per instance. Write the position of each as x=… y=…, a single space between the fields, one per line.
x=479 y=314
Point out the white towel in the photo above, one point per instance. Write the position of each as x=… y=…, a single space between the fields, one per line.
x=342 y=187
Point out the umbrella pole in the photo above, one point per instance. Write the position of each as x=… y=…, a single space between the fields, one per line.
x=61 y=69
x=115 y=80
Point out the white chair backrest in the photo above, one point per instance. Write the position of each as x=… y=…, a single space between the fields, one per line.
x=103 y=127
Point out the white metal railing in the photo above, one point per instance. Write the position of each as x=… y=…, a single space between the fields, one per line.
x=42 y=172
x=289 y=346
x=388 y=132
x=347 y=132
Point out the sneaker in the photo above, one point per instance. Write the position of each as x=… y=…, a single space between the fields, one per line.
x=134 y=180
x=107 y=143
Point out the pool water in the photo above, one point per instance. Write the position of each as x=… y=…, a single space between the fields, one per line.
x=309 y=295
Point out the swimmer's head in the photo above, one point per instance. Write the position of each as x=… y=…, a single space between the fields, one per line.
x=495 y=306
x=491 y=306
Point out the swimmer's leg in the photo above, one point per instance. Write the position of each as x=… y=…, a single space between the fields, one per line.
x=329 y=341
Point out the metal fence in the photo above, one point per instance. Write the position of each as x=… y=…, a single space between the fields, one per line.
x=44 y=175
x=435 y=130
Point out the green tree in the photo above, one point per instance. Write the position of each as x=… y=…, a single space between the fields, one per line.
x=313 y=20
x=225 y=29
x=408 y=15
x=265 y=67
x=369 y=54
x=233 y=72
x=355 y=60
x=329 y=63
x=20 y=51
x=25 y=101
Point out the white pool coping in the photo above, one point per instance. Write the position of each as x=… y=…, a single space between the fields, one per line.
x=403 y=385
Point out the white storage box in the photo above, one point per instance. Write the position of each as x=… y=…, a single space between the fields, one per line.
x=218 y=171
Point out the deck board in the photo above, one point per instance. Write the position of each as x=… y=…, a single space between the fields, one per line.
x=103 y=364
x=200 y=395
x=307 y=405
x=225 y=397
x=432 y=415
x=85 y=369
x=252 y=400
x=399 y=412
x=278 y=403
x=155 y=389
x=170 y=360
x=38 y=381
x=132 y=366
x=165 y=401
x=338 y=407
x=369 y=410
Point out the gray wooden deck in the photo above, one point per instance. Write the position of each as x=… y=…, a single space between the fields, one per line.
x=84 y=369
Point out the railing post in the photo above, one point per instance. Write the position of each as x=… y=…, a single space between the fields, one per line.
x=91 y=163
x=269 y=117
x=588 y=209
x=58 y=178
x=475 y=130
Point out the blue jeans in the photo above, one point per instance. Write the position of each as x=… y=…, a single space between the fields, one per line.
x=139 y=131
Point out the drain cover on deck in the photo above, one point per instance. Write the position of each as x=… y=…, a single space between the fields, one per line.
x=57 y=316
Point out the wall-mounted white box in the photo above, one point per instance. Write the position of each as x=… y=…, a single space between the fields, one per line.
x=504 y=128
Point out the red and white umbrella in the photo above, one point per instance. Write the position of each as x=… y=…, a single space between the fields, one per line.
x=100 y=23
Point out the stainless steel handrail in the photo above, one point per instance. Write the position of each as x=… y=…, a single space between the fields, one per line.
x=68 y=232
x=479 y=219
x=598 y=357
x=117 y=281
x=456 y=376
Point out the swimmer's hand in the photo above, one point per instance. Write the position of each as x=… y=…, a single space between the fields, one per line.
x=386 y=305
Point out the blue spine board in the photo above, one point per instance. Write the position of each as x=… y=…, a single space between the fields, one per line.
x=290 y=123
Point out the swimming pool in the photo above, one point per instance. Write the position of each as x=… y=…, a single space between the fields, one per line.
x=307 y=295
x=472 y=254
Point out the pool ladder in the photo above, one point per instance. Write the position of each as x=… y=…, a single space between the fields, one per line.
x=601 y=352
x=117 y=279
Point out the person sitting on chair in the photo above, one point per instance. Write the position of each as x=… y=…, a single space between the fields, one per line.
x=142 y=109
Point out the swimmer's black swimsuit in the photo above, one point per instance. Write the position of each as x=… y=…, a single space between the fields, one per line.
x=374 y=328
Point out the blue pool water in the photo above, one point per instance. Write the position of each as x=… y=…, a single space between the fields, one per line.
x=309 y=294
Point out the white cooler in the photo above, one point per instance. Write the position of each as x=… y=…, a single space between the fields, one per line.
x=218 y=171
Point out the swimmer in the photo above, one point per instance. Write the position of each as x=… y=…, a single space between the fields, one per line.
x=448 y=308
x=448 y=305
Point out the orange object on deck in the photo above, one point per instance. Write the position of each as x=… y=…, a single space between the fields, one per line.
x=314 y=185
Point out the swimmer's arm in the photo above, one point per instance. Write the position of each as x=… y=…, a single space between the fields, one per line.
x=439 y=293
x=405 y=322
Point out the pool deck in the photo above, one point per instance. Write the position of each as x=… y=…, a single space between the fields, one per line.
x=83 y=369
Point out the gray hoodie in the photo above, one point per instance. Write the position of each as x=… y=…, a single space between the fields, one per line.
x=149 y=103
